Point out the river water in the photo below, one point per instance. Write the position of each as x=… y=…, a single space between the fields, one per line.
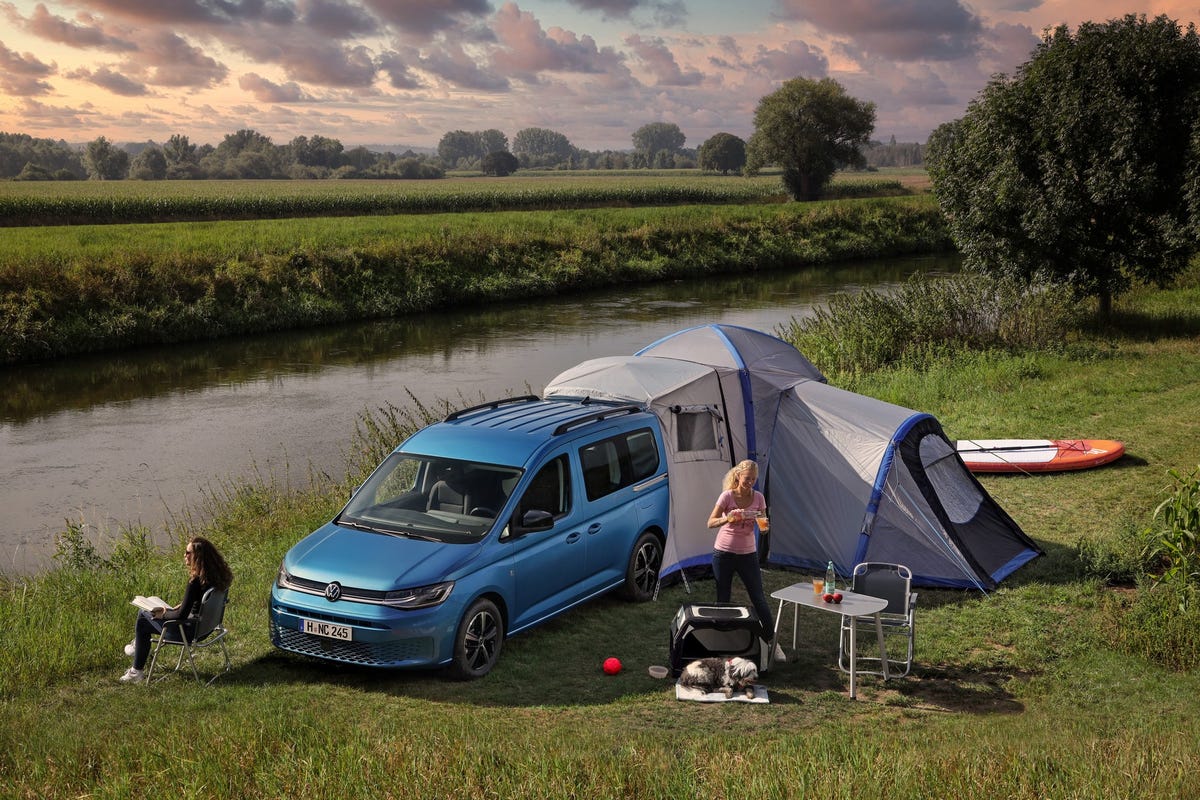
x=141 y=437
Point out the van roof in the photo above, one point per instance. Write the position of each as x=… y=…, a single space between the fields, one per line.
x=511 y=431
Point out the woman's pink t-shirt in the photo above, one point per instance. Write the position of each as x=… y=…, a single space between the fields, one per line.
x=738 y=536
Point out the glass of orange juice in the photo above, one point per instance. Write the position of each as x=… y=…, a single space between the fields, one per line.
x=818 y=586
x=764 y=524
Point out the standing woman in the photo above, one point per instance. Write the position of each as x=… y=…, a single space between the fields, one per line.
x=206 y=570
x=736 y=548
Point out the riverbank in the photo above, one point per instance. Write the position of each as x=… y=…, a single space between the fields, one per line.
x=1030 y=692
x=78 y=289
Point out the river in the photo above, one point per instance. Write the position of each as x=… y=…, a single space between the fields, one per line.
x=140 y=437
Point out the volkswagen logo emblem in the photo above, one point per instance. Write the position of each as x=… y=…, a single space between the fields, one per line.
x=333 y=591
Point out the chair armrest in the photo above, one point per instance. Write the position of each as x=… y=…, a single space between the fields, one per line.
x=912 y=599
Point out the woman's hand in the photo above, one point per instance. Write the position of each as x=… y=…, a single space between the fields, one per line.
x=157 y=613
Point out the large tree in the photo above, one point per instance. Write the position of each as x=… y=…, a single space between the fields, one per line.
x=810 y=128
x=658 y=138
x=722 y=152
x=537 y=147
x=105 y=161
x=1083 y=166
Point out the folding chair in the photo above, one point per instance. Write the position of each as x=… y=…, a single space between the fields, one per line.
x=207 y=630
x=892 y=582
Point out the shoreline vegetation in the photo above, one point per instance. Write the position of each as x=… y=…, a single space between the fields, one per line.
x=67 y=290
x=1076 y=678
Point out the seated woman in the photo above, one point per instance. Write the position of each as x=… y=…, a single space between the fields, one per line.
x=206 y=570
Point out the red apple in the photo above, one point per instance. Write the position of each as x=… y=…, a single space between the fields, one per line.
x=837 y=597
x=828 y=598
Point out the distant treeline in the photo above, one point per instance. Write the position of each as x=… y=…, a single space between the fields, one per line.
x=248 y=154
x=895 y=154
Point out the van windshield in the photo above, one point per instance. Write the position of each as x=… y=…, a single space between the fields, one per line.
x=431 y=498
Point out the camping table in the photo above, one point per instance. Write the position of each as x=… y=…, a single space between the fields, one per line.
x=853 y=605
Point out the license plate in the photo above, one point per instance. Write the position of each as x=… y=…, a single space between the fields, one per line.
x=327 y=629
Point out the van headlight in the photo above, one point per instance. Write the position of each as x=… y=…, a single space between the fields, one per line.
x=284 y=579
x=421 y=597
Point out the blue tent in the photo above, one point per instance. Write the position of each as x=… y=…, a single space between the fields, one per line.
x=848 y=478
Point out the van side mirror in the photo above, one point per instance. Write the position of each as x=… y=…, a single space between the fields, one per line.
x=536 y=520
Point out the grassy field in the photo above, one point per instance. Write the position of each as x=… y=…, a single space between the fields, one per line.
x=1031 y=692
x=73 y=289
x=35 y=203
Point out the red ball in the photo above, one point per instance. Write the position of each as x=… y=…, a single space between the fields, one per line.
x=612 y=666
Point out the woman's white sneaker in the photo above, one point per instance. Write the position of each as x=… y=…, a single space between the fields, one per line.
x=133 y=676
x=129 y=648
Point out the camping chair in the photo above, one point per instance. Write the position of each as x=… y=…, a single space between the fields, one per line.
x=892 y=582
x=207 y=630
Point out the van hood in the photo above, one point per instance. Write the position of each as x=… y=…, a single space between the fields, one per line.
x=376 y=561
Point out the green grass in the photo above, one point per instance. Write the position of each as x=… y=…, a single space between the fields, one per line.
x=125 y=202
x=74 y=289
x=1030 y=692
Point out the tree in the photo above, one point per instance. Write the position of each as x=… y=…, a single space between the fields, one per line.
x=149 y=165
x=183 y=161
x=539 y=147
x=810 y=128
x=1082 y=167
x=456 y=146
x=722 y=152
x=500 y=163
x=492 y=141
x=654 y=138
x=104 y=161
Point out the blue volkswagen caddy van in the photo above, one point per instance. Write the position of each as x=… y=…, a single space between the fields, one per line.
x=475 y=528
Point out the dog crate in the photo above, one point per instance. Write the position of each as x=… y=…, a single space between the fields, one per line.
x=719 y=630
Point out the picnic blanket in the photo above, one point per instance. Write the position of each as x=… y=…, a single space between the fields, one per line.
x=692 y=693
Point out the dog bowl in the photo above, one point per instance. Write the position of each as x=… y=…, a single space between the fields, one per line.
x=658 y=672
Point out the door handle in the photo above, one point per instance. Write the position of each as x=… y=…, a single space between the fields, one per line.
x=594 y=528
x=573 y=537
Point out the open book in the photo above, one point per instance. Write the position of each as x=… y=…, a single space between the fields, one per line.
x=149 y=603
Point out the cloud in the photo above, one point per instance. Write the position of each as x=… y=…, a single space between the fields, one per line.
x=170 y=60
x=56 y=29
x=21 y=74
x=905 y=30
x=395 y=66
x=451 y=63
x=667 y=13
x=793 y=59
x=265 y=91
x=424 y=18
x=206 y=12
x=657 y=57
x=525 y=49
x=336 y=19
x=114 y=82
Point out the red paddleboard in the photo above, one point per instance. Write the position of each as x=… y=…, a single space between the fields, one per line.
x=1036 y=455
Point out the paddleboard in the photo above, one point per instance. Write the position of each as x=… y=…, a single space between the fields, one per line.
x=1036 y=455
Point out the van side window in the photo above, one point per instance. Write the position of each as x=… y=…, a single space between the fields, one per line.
x=550 y=490
x=617 y=462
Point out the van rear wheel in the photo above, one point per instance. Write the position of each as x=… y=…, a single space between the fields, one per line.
x=478 y=642
x=641 y=575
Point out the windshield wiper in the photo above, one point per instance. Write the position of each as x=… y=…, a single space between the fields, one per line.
x=351 y=524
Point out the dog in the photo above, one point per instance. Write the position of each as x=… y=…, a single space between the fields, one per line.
x=725 y=675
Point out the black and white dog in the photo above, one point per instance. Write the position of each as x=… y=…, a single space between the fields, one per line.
x=725 y=675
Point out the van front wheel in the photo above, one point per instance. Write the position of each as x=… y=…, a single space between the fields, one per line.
x=478 y=641
x=641 y=576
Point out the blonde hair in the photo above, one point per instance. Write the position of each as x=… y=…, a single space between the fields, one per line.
x=743 y=466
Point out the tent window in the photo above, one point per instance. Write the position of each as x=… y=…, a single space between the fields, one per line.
x=696 y=434
x=960 y=498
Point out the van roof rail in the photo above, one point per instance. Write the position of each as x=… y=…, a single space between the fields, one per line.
x=596 y=416
x=527 y=398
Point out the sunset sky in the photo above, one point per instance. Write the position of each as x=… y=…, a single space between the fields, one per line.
x=407 y=71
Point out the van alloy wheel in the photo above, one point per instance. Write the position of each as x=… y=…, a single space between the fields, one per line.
x=479 y=640
x=645 y=561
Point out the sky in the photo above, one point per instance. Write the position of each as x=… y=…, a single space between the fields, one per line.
x=405 y=72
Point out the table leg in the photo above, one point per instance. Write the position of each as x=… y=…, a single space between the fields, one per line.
x=853 y=637
x=883 y=660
